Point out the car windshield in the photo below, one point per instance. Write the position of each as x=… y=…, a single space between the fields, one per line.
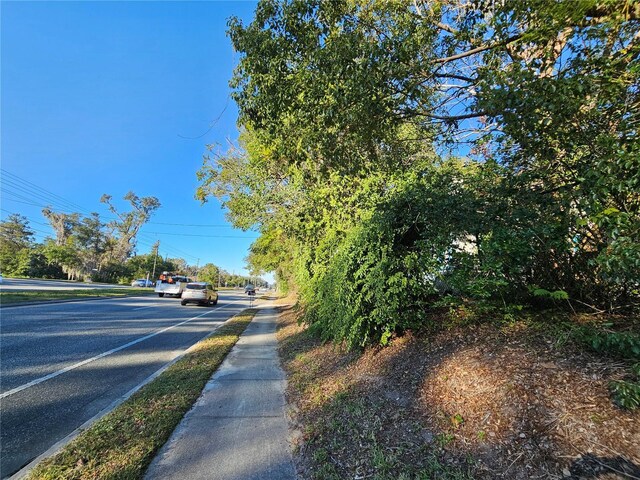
x=196 y=287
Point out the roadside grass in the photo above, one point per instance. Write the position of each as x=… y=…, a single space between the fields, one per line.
x=25 y=296
x=122 y=444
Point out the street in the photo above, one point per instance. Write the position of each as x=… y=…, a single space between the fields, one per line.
x=61 y=364
x=37 y=284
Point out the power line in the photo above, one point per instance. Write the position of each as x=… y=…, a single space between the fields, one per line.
x=219 y=225
x=16 y=188
x=68 y=206
x=172 y=251
x=42 y=192
x=199 y=235
x=12 y=182
x=58 y=208
x=212 y=124
x=171 y=248
x=19 y=201
x=30 y=220
x=25 y=202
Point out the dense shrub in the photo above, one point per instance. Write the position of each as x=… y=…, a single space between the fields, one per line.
x=463 y=228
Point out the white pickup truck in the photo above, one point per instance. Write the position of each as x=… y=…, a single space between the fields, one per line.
x=171 y=284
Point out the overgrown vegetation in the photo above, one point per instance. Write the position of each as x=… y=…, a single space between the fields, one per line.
x=397 y=152
x=123 y=443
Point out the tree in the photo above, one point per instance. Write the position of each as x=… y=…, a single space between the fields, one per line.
x=209 y=273
x=91 y=241
x=141 y=266
x=66 y=256
x=63 y=224
x=128 y=224
x=16 y=241
x=344 y=106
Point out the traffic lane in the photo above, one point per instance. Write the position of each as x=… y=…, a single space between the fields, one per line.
x=40 y=340
x=36 y=418
x=35 y=284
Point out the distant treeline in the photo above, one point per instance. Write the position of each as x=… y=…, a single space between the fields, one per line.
x=85 y=248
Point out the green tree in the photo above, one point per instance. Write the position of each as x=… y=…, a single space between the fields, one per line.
x=129 y=223
x=209 y=273
x=344 y=105
x=63 y=224
x=91 y=241
x=65 y=255
x=16 y=241
x=142 y=265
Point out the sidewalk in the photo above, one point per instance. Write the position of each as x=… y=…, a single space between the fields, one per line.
x=237 y=429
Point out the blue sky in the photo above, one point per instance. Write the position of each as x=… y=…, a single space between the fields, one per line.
x=108 y=97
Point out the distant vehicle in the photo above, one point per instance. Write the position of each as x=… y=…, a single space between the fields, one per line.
x=0 y=278
x=142 y=282
x=171 y=284
x=249 y=289
x=201 y=293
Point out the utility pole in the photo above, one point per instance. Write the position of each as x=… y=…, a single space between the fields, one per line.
x=197 y=269
x=156 y=246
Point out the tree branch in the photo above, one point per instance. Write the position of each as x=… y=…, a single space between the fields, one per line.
x=452 y=118
x=455 y=76
x=447 y=28
x=473 y=51
x=628 y=11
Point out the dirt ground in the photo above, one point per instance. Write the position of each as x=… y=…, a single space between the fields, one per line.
x=473 y=402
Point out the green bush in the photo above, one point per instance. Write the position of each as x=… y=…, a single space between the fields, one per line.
x=440 y=231
x=626 y=394
x=625 y=345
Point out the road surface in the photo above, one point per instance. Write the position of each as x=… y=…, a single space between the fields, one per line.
x=36 y=284
x=61 y=364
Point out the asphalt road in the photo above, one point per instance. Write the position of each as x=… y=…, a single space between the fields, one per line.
x=61 y=364
x=36 y=284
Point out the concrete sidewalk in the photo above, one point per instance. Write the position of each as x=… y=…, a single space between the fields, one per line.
x=237 y=429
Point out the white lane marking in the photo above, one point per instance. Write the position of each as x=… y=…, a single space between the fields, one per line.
x=104 y=354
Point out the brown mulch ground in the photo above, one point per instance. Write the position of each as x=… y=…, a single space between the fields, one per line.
x=474 y=402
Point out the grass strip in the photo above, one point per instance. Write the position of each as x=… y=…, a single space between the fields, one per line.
x=122 y=443
x=25 y=296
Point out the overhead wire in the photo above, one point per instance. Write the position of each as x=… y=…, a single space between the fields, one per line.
x=212 y=124
x=164 y=244
x=30 y=220
x=50 y=199
x=39 y=191
x=200 y=235
x=68 y=206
